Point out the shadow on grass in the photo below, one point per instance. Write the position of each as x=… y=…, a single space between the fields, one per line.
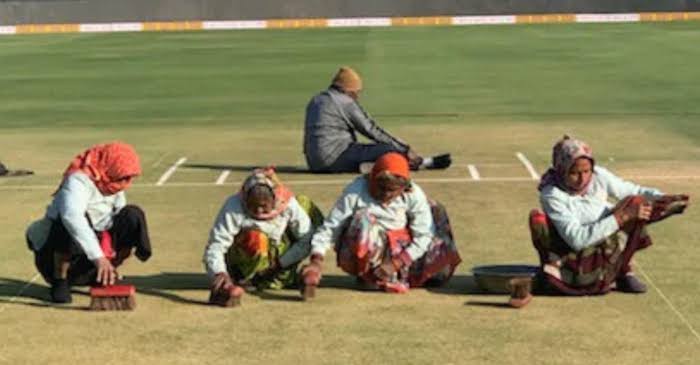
x=494 y=304
x=458 y=285
x=158 y=285
x=12 y=291
x=13 y=288
x=329 y=281
x=248 y=168
x=16 y=292
x=466 y=285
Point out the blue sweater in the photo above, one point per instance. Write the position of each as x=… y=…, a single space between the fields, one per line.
x=585 y=220
x=82 y=209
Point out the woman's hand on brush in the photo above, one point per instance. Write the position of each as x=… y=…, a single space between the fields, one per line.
x=106 y=274
x=221 y=280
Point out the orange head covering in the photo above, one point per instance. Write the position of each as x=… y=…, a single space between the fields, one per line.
x=393 y=163
x=347 y=79
x=107 y=165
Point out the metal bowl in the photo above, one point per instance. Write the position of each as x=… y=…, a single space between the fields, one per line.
x=494 y=278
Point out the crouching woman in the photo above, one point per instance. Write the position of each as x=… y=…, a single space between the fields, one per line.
x=88 y=229
x=585 y=242
x=386 y=232
x=258 y=238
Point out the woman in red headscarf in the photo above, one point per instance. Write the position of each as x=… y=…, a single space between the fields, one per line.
x=88 y=229
x=584 y=241
x=386 y=232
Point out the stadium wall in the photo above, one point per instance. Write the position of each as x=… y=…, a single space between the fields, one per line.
x=16 y=12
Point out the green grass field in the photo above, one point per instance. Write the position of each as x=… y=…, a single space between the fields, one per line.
x=235 y=99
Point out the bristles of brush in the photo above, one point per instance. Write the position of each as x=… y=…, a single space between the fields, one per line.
x=308 y=292
x=225 y=298
x=113 y=303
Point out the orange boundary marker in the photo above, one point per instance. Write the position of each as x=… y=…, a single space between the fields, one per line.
x=324 y=23
x=668 y=17
x=47 y=28
x=171 y=26
x=545 y=18
x=297 y=23
x=421 y=20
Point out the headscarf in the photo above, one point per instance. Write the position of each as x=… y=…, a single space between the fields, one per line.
x=393 y=163
x=564 y=155
x=106 y=164
x=267 y=177
x=347 y=79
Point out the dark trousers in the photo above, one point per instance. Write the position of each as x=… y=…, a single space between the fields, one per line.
x=128 y=230
x=357 y=153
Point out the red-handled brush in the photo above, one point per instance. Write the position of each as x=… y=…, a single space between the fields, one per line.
x=113 y=297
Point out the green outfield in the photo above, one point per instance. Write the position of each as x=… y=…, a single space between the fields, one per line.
x=230 y=100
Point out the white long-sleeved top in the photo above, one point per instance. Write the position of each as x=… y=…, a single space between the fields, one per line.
x=232 y=219
x=410 y=209
x=585 y=220
x=82 y=209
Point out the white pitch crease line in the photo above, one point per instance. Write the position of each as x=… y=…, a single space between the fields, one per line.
x=222 y=177
x=347 y=181
x=668 y=301
x=13 y=299
x=160 y=159
x=531 y=169
x=474 y=172
x=170 y=171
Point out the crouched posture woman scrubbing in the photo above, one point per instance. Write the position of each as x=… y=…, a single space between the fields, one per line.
x=258 y=237
x=386 y=232
x=88 y=229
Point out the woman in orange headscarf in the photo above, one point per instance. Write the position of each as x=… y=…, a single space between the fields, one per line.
x=88 y=229
x=386 y=232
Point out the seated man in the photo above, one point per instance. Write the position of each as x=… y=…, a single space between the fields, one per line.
x=88 y=229
x=386 y=232
x=333 y=117
x=259 y=236
x=586 y=243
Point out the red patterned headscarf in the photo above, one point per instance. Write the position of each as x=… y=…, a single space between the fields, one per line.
x=107 y=165
x=267 y=177
x=564 y=155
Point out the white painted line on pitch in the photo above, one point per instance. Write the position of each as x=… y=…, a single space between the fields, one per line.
x=13 y=299
x=490 y=164
x=170 y=171
x=528 y=166
x=474 y=172
x=157 y=163
x=347 y=181
x=222 y=177
x=673 y=308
